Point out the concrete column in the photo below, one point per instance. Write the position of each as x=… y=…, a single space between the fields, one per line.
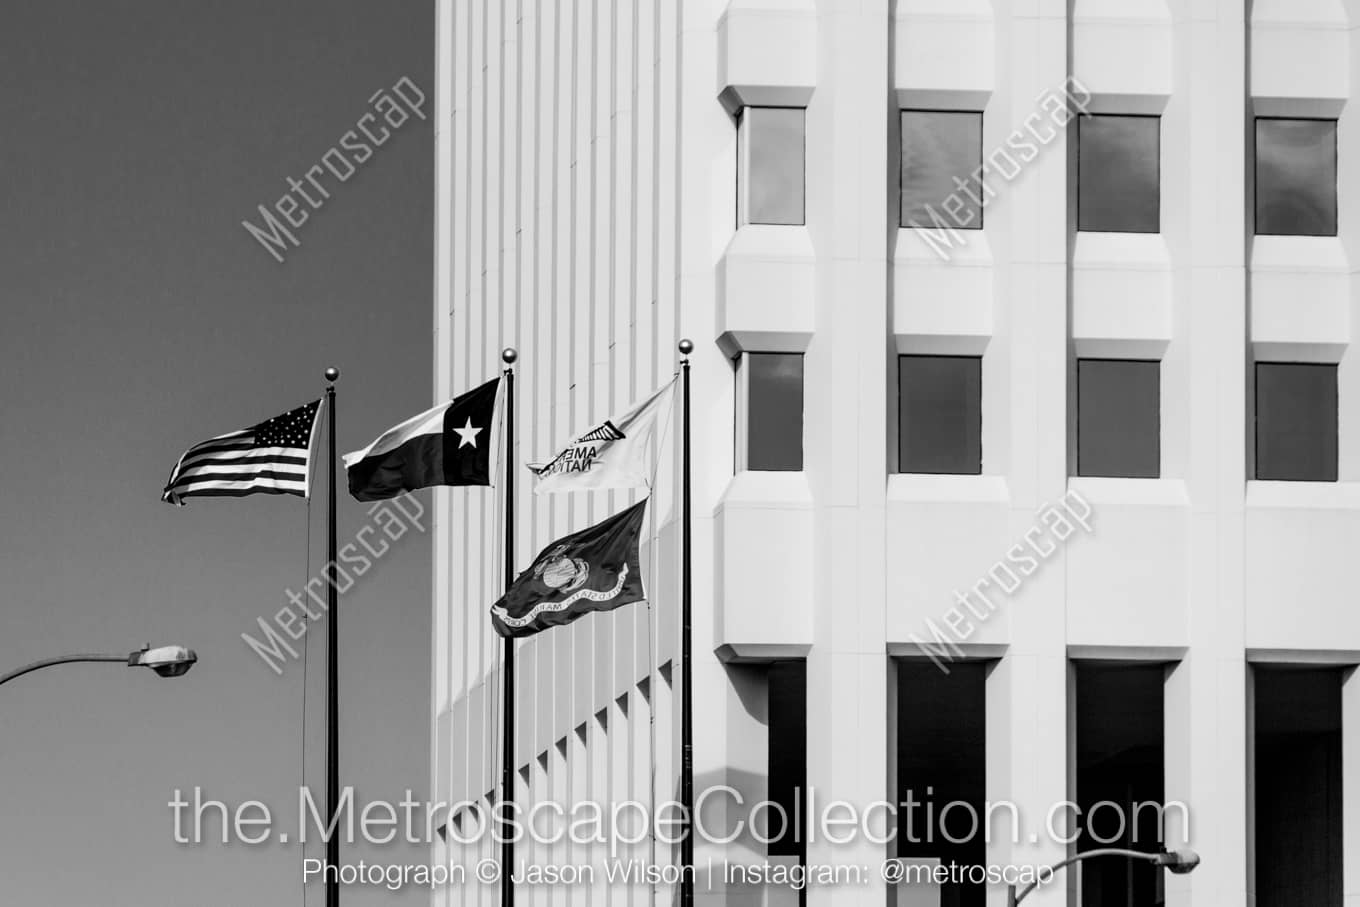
x=1027 y=692
x=1206 y=741
x=849 y=199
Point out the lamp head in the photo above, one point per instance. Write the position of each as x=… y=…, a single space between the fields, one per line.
x=166 y=661
x=1178 y=861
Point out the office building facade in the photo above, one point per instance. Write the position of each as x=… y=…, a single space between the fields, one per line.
x=1026 y=463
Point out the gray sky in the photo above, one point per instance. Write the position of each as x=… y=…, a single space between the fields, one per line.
x=139 y=318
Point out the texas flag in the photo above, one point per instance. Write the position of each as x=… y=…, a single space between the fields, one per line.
x=447 y=445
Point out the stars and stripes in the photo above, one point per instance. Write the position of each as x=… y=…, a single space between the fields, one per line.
x=269 y=458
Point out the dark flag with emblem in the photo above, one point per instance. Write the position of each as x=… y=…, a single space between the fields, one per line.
x=272 y=457
x=447 y=445
x=595 y=569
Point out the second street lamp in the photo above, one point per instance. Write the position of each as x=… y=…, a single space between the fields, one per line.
x=166 y=661
x=1178 y=861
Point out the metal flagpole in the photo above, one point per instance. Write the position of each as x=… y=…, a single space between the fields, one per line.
x=652 y=560
x=686 y=632
x=654 y=566
x=332 y=672
x=508 y=356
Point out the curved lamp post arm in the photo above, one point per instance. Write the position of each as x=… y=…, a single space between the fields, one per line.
x=166 y=661
x=1099 y=852
x=63 y=659
x=1177 y=861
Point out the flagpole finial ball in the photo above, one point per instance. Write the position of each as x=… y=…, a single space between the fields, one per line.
x=686 y=346
x=332 y=374
x=508 y=355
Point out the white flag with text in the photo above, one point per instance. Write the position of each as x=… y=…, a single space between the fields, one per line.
x=613 y=454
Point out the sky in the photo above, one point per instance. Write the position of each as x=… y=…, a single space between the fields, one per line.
x=138 y=317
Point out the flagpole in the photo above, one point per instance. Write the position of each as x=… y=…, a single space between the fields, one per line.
x=653 y=556
x=508 y=356
x=332 y=667
x=686 y=633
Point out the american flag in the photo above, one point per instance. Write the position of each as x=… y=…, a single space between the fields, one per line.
x=269 y=458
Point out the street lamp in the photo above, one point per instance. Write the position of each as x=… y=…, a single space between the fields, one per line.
x=166 y=661
x=1178 y=861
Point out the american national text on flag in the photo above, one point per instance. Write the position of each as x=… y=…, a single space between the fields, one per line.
x=272 y=457
x=613 y=454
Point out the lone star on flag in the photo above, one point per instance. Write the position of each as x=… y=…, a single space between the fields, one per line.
x=467 y=435
x=429 y=449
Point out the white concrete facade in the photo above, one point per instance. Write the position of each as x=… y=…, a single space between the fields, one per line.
x=586 y=181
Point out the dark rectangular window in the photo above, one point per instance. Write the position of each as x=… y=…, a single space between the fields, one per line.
x=1119 y=174
x=941 y=157
x=1119 y=418
x=939 y=405
x=1295 y=177
x=1298 y=787
x=942 y=769
x=774 y=411
x=788 y=754
x=1120 y=766
x=1296 y=421
x=770 y=173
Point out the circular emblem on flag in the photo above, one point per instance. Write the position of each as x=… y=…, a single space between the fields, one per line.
x=562 y=573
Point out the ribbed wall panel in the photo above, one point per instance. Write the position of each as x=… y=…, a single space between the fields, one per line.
x=557 y=133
